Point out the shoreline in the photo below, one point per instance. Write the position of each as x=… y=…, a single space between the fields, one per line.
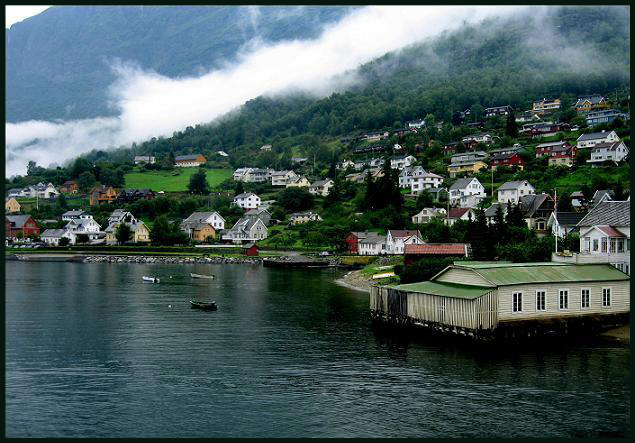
x=354 y=280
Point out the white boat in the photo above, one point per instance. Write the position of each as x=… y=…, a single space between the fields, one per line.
x=151 y=279
x=201 y=276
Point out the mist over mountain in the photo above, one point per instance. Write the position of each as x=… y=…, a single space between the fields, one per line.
x=59 y=62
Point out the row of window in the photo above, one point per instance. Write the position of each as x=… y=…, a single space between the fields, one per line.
x=563 y=299
x=616 y=245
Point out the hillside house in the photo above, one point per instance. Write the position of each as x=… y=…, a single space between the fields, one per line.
x=594 y=138
x=470 y=141
x=265 y=148
x=450 y=148
x=544 y=106
x=282 y=178
x=546 y=148
x=212 y=218
x=526 y=116
x=102 y=194
x=396 y=240
x=466 y=192
x=201 y=232
x=352 y=240
x=40 y=190
x=261 y=212
x=602 y=195
x=438 y=194
x=140 y=232
x=247 y=200
x=485 y=299
x=514 y=190
x=427 y=214
x=88 y=227
x=20 y=225
x=536 y=209
x=321 y=187
x=416 y=124
x=298 y=182
x=298 y=218
x=421 y=180
x=510 y=159
x=490 y=213
x=69 y=187
x=373 y=244
x=76 y=214
x=562 y=155
x=11 y=205
x=605 y=116
x=470 y=162
x=189 y=161
x=605 y=236
x=246 y=229
x=375 y=136
x=121 y=215
x=498 y=111
x=401 y=161
x=345 y=165
x=459 y=214
x=564 y=223
x=144 y=159
x=405 y=175
x=607 y=152
x=52 y=237
x=415 y=252
x=591 y=103
x=542 y=129
x=132 y=195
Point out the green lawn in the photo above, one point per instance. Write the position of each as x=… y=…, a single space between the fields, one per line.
x=172 y=181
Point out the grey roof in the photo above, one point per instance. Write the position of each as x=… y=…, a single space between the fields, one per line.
x=610 y=146
x=18 y=220
x=600 y=194
x=546 y=145
x=613 y=213
x=502 y=156
x=245 y=195
x=461 y=183
x=320 y=182
x=491 y=211
x=530 y=203
x=53 y=233
x=373 y=237
x=73 y=213
x=186 y=157
x=513 y=184
x=196 y=217
x=257 y=211
x=593 y=136
x=569 y=218
x=594 y=99
x=244 y=224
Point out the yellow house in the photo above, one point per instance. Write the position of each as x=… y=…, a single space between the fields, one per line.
x=201 y=231
x=11 y=205
x=299 y=182
x=140 y=233
x=472 y=167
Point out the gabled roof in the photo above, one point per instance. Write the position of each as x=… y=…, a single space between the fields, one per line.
x=245 y=195
x=609 y=146
x=18 y=221
x=462 y=183
x=491 y=211
x=613 y=213
x=402 y=233
x=593 y=136
x=454 y=290
x=529 y=204
x=437 y=249
x=513 y=185
x=569 y=218
x=602 y=194
x=199 y=216
x=550 y=144
x=53 y=233
x=504 y=156
x=73 y=213
x=610 y=231
x=457 y=212
x=186 y=157
x=320 y=182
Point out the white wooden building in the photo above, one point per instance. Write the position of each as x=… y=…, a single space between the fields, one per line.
x=514 y=190
x=247 y=200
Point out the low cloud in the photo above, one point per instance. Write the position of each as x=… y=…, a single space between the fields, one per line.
x=151 y=105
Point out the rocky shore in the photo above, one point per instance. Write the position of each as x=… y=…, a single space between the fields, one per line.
x=355 y=280
x=169 y=259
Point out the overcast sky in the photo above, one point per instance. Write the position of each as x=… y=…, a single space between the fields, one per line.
x=16 y=14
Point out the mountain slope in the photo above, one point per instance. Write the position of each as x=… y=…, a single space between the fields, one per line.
x=58 y=61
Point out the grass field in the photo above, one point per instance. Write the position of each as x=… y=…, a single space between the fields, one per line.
x=172 y=181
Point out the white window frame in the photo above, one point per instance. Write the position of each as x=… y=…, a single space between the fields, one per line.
x=610 y=294
x=544 y=309
x=560 y=308
x=581 y=298
x=517 y=302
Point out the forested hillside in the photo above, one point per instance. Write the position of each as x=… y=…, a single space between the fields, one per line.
x=58 y=61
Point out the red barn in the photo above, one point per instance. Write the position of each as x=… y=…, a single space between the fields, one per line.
x=20 y=223
x=413 y=253
x=352 y=241
x=250 y=250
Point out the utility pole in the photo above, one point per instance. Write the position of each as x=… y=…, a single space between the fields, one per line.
x=555 y=212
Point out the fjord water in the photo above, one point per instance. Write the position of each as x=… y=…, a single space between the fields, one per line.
x=92 y=351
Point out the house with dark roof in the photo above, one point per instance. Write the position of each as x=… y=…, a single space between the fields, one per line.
x=212 y=218
x=132 y=195
x=590 y=103
x=372 y=244
x=507 y=159
x=605 y=236
x=54 y=236
x=602 y=195
x=594 y=138
x=536 y=209
x=612 y=152
x=605 y=116
x=246 y=229
x=20 y=226
x=564 y=223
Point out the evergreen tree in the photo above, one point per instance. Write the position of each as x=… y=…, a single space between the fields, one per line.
x=336 y=192
x=511 y=129
x=500 y=227
x=123 y=233
x=198 y=183
x=370 y=194
x=239 y=188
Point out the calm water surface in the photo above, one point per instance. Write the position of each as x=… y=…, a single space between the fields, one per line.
x=93 y=351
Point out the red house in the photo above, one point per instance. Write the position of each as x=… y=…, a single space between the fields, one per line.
x=20 y=223
x=352 y=240
x=508 y=159
x=547 y=148
x=250 y=250
x=413 y=253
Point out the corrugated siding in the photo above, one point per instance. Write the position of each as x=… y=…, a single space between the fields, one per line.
x=620 y=300
x=462 y=276
x=479 y=313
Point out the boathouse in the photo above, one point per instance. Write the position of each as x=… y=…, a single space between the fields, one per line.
x=483 y=299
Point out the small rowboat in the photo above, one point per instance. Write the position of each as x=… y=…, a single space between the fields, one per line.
x=211 y=306
x=211 y=277
x=151 y=279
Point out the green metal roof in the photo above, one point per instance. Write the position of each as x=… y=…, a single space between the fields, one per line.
x=546 y=272
x=454 y=290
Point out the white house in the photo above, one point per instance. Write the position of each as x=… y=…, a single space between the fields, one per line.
x=120 y=215
x=246 y=229
x=298 y=218
x=613 y=151
x=402 y=161
x=239 y=174
x=251 y=175
x=84 y=226
x=247 y=200
x=405 y=176
x=417 y=123
x=420 y=180
x=396 y=239
x=321 y=187
x=298 y=182
x=478 y=138
x=466 y=192
x=40 y=190
x=459 y=214
x=139 y=159
x=265 y=148
x=427 y=214
x=53 y=236
x=512 y=191
x=594 y=138
x=76 y=215
x=346 y=164
x=282 y=178
x=372 y=244
x=213 y=218
x=564 y=223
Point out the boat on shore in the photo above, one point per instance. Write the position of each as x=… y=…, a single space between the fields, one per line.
x=151 y=279
x=211 y=277
x=206 y=306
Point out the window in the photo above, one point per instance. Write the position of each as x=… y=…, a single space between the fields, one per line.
x=585 y=298
x=587 y=244
x=606 y=297
x=540 y=300
x=564 y=299
x=595 y=245
x=613 y=245
x=517 y=302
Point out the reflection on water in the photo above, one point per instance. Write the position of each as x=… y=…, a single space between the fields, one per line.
x=91 y=350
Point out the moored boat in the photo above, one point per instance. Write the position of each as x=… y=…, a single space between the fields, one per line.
x=206 y=306
x=151 y=279
x=211 y=277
